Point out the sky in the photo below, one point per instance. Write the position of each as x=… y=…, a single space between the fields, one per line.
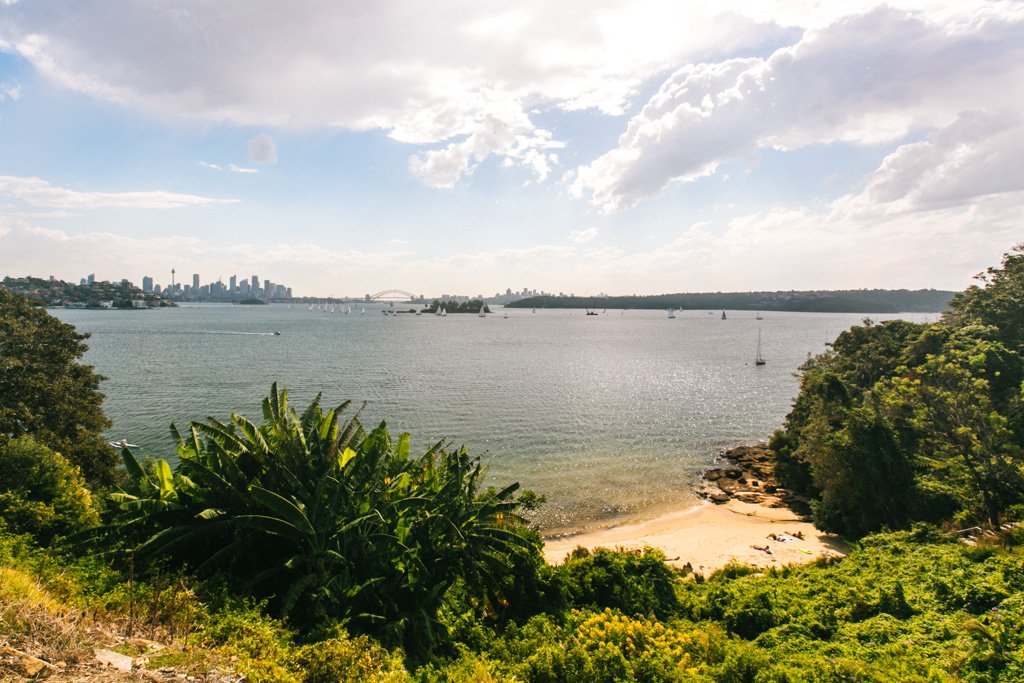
x=345 y=147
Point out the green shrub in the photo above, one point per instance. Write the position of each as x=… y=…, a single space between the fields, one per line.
x=637 y=583
x=328 y=523
x=260 y=647
x=41 y=493
x=344 y=659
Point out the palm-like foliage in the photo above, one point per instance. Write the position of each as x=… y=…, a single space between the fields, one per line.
x=326 y=520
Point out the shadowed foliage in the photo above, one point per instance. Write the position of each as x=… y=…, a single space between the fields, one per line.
x=325 y=520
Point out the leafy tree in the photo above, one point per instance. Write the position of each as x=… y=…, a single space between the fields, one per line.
x=999 y=302
x=903 y=422
x=961 y=437
x=46 y=392
x=866 y=480
x=328 y=522
x=41 y=493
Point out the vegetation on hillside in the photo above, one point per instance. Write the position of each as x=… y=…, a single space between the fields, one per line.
x=902 y=422
x=303 y=548
x=52 y=292
x=47 y=393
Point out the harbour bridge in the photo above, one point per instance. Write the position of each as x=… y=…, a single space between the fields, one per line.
x=392 y=295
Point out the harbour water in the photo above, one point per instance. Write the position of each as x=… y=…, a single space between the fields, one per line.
x=609 y=416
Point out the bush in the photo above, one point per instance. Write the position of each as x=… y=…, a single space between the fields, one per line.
x=343 y=659
x=328 y=523
x=261 y=647
x=637 y=583
x=41 y=493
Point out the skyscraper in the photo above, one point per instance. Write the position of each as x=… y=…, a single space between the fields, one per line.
x=254 y=285
x=232 y=284
x=147 y=283
x=195 y=281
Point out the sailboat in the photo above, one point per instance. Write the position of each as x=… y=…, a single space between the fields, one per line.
x=482 y=314
x=723 y=315
x=671 y=313
x=444 y=311
x=758 y=358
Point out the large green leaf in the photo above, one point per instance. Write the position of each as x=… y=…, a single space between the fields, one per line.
x=287 y=510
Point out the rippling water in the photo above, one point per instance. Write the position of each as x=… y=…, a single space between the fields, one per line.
x=608 y=416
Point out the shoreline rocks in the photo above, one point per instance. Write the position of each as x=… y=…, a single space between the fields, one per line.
x=748 y=475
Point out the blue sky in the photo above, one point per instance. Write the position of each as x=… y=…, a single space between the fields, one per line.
x=468 y=146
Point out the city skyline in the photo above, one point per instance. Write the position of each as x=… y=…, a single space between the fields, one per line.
x=620 y=146
x=246 y=286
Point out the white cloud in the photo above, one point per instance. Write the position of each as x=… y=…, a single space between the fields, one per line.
x=582 y=236
x=38 y=192
x=428 y=74
x=213 y=167
x=10 y=91
x=242 y=169
x=978 y=155
x=865 y=79
x=784 y=248
x=262 y=150
x=511 y=137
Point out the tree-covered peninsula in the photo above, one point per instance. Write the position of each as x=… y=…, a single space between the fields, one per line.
x=100 y=294
x=839 y=301
x=304 y=546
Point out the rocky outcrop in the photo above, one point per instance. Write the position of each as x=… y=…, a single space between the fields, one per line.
x=747 y=473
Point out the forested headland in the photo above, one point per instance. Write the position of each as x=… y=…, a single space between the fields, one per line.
x=838 y=301
x=302 y=545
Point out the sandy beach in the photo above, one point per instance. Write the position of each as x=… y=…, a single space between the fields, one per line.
x=709 y=536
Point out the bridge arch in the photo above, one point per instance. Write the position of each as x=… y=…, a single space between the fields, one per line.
x=392 y=295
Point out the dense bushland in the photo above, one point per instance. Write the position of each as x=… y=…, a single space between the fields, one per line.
x=904 y=422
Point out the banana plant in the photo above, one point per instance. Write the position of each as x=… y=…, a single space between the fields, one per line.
x=325 y=520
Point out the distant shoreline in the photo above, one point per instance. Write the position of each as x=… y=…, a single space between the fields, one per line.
x=866 y=301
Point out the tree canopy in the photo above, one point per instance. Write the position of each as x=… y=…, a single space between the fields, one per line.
x=46 y=392
x=902 y=422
